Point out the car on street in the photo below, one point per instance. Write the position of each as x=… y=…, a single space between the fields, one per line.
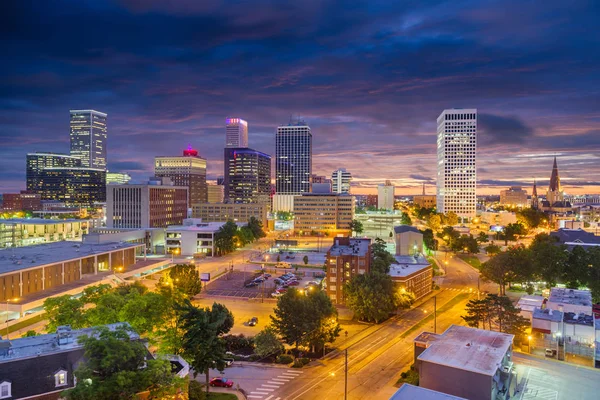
x=292 y=282
x=251 y=284
x=260 y=279
x=253 y=321
x=281 y=290
x=550 y=353
x=228 y=361
x=221 y=382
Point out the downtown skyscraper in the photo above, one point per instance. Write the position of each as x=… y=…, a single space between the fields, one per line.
x=293 y=164
x=456 y=162
x=247 y=176
x=88 y=137
x=236 y=133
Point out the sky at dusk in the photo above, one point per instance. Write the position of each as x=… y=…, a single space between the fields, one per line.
x=369 y=77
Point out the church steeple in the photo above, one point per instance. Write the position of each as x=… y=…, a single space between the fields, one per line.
x=534 y=196
x=554 y=178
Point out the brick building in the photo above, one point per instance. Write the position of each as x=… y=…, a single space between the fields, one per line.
x=346 y=258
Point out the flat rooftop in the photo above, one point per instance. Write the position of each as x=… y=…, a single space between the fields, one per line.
x=579 y=319
x=410 y=392
x=547 y=314
x=40 y=221
x=35 y=346
x=198 y=227
x=408 y=265
x=529 y=302
x=18 y=258
x=469 y=349
x=571 y=296
x=358 y=247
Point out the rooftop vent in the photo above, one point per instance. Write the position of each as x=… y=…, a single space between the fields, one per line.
x=64 y=334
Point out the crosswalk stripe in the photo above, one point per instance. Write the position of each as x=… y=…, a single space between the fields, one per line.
x=262 y=389
x=291 y=371
x=275 y=383
x=281 y=379
x=269 y=397
x=254 y=397
x=270 y=386
x=288 y=375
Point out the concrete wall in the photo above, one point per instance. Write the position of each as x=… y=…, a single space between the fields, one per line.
x=406 y=241
x=455 y=381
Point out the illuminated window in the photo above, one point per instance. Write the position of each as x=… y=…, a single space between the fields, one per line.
x=60 y=378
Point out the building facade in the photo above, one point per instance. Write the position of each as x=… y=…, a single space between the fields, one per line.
x=413 y=274
x=152 y=205
x=77 y=186
x=236 y=133
x=330 y=213
x=88 y=137
x=409 y=240
x=340 y=181
x=29 y=231
x=345 y=259
x=193 y=238
x=514 y=196
x=216 y=193
x=425 y=200
x=237 y=212
x=37 y=162
x=119 y=178
x=293 y=159
x=456 y=162
x=188 y=170
x=385 y=196
x=24 y=201
x=247 y=176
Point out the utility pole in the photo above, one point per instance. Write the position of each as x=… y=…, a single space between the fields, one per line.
x=346 y=377
x=435 y=314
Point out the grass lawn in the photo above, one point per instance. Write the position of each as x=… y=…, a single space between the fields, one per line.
x=26 y=323
x=471 y=260
x=457 y=299
x=222 y=396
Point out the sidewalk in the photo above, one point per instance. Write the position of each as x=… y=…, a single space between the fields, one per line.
x=238 y=394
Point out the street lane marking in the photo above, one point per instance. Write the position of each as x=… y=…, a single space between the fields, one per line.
x=270 y=386
x=254 y=397
x=258 y=391
x=281 y=379
x=265 y=389
x=269 y=397
x=275 y=383
x=291 y=371
x=288 y=375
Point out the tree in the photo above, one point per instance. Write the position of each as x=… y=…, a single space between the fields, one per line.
x=405 y=220
x=530 y=217
x=483 y=237
x=512 y=231
x=593 y=281
x=30 y=333
x=373 y=296
x=434 y=221
x=451 y=218
x=64 y=310
x=203 y=345
x=429 y=240
x=305 y=259
x=116 y=367
x=498 y=271
x=256 y=227
x=549 y=258
x=186 y=278
x=492 y=249
x=284 y=216
x=381 y=259
x=499 y=312
x=450 y=235
x=356 y=226
x=477 y=313
x=224 y=238
x=578 y=262
x=466 y=243
x=266 y=343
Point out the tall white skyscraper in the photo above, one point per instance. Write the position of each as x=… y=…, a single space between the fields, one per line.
x=456 y=166
x=340 y=180
x=88 y=137
x=236 y=133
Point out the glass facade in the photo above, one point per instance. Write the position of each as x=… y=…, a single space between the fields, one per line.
x=293 y=164
x=73 y=186
x=247 y=176
x=36 y=162
x=88 y=137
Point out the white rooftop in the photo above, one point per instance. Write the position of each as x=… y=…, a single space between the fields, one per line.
x=410 y=392
x=408 y=265
x=47 y=344
x=529 y=302
x=570 y=296
x=469 y=349
x=18 y=258
x=40 y=221
x=196 y=225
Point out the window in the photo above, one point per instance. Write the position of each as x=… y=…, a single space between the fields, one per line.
x=60 y=378
x=5 y=392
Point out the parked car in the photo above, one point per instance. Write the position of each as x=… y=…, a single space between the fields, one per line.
x=292 y=282
x=253 y=321
x=267 y=276
x=278 y=281
x=276 y=294
x=281 y=290
x=221 y=382
x=260 y=279
x=550 y=352
x=228 y=361
x=251 y=284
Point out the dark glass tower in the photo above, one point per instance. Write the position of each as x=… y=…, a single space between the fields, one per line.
x=247 y=177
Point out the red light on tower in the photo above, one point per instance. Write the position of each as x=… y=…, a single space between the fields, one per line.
x=189 y=152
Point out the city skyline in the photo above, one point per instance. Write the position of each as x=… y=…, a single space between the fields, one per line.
x=370 y=88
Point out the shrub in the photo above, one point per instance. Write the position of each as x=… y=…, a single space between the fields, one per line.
x=235 y=343
x=284 y=359
x=297 y=363
x=304 y=360
x=196 y=391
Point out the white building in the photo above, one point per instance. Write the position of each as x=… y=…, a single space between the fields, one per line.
x=385 y=197
x=456 y=162
x=340 y=179
x=236 y=132
x=119 y=178
x=193 y=237
x=570 y=300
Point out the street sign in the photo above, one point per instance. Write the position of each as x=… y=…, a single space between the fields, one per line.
x=205 y=277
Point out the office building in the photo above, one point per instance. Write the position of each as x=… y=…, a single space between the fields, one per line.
x=340 y=179
x=119 y=178
x=425 y=200
x=188 y=170
x=236 y=133
x=237 y=212
x=500 y=218
x=321 y=188
x=409 y=240
x=37 y=162
x=385 y=196
x=156 y=204
x=194 y=238
x=24 y=201
x=456 y=162
x=472 y=363
x=514 y=196
x=319 y=179
x=247 y=176
x=76 y=186
x=89 y=138
x=328 y=213
x=18 y=232
x=293 y=164
x=345 y=259
x=216 y=193
x=412 y=273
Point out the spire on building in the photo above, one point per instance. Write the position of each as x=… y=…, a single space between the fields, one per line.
x=554 y=179
x=534 y=193
x=534 y=196
x=423 y=188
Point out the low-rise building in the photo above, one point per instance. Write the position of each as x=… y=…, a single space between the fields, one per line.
x=425 y=200
x=472 y=363
x=346 y=258
x=576 y=237
x=570 y=300
x=501 y=218
x=410 y=392
x=413 y=273
x=514 y=196
x=409 y=240
x=329 y=213
x=528 y=303
x=546 y=321
x=193 y=238
x=24 y=201
x=223 y=212
x=30 y=231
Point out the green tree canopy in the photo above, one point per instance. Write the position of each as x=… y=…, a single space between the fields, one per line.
x=434 y=221
x=267 y=344
x=450 y=218
x=405 y=220
x=64 y=310
x=483 y=237
x=186 y=278
x=356 y=226
x=429 y=240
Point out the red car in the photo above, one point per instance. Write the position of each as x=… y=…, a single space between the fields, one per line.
x=291 y=283
x=221 y=382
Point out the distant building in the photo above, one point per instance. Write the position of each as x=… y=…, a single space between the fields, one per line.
x=345 y=259
x=321 y=188
x=410 y=392
x=472 y=363
x=29 y=231
x=247 y=176
x=320 y=179
x=192 y=238
x=456 y=162
x=77 y=186
x=88 y=138
x=535 y=201
x=514 y=196
x=236 y=133
x=501 y=218
x=216 y=193
x=37 y=162
x=119 y=178
x=187 y=170
x=293 y=159
x=576 y=237
x=409 y=240
x=528 y=303
x=222 y=212
x=555 y=198
x=24 y=201
x=385 y=197
x=413 y=273
x=341 y=179
x=156 y=204
x=570 y=300
x=425 y=200
x=331 y=213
